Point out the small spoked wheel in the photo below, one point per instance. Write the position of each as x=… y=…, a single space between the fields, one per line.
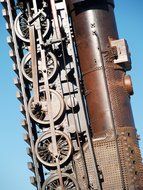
x=44 y=148
x=39 y=112
x=51 y=63
x=22 y=27
x=53 y=183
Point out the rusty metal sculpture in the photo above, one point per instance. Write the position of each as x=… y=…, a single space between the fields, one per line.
x=71 y=70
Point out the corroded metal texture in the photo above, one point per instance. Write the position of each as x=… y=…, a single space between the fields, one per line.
x=107 y=91
x=106 y=154
x=105 y=149
x=98 y=18
x=84 y=136
x=89 y=17
x=131 y=160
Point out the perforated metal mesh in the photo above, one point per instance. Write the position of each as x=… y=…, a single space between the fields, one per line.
x=107 y=160
x=130 y=156
x=118 y=97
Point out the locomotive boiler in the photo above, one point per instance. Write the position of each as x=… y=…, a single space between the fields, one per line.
x=75 y=94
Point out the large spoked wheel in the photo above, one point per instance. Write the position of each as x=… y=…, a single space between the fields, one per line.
x=39 y=112
x=22 y=28
x=53 y=183
x=51 y=64
x=44 y=148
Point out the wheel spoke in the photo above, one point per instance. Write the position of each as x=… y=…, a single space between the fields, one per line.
x=21 y=26
x=46 y=148
x=27 y=66
x=68 y=181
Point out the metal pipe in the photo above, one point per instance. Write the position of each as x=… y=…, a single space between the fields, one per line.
x=90 y=144
x=91 y=17
x=33 y=51
x=107 y=100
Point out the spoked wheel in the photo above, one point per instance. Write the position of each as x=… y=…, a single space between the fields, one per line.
x=22 y=28
x=39 y=112
x=51 y=64
x=53 y=183
x=44 y=148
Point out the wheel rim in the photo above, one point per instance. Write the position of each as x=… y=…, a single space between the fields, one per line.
x=22 y=28
x=52 y=183
x=39 y=112
x=51 y=64
x=44 y=148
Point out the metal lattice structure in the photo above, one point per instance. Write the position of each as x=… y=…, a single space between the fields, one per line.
x=75 y=94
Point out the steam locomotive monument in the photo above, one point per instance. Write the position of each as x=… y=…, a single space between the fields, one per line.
x=75 y=94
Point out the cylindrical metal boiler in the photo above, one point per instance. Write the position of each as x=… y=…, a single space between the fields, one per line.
x=108 y=101
x=104 y=60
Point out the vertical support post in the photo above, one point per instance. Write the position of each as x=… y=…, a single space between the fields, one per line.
x=33 y=50
x=55 y=17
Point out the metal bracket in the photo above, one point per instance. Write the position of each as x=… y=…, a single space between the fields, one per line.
x=37 y=15
x=122 y=53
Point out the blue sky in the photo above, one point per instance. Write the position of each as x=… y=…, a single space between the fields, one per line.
x=14 y=174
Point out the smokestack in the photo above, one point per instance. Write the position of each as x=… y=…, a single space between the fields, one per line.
x=104 y=60
x=94 y=27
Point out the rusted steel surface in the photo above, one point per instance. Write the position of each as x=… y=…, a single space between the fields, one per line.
x=54 y=49
x=107 y=90
x=91 y=17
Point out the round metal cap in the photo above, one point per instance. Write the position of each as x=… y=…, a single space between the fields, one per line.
x=111 y=2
